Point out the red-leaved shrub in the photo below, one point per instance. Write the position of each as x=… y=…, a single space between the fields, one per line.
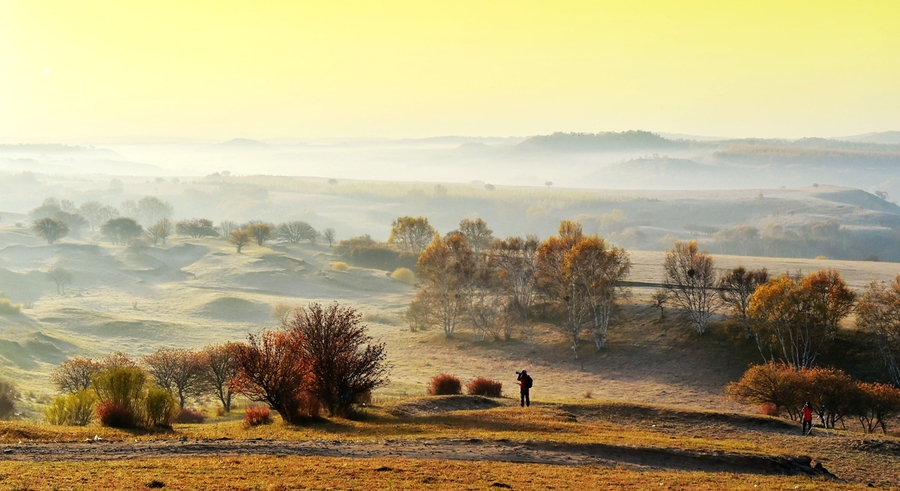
x=190 y=416
x=768 y=409
x=257 y=415
x=444 y=384
x=484 y=387
x=115 y=415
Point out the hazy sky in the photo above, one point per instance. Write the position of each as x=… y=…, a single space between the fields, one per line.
x=306 y=69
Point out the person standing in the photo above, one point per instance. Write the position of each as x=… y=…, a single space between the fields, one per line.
x=806 y=414
x=525 y=383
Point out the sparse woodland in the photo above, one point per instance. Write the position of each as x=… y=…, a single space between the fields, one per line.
x=467 y=281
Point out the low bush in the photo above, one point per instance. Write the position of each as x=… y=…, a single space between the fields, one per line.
x=8 y=308
x=768 y=409
x=115 y=415
x=160 y=407
x=404 y=275
x=484 y=387
x=257 y=415
x=75 y=409
x=8 y=396
x=444 y=384
x=190 y=416
x=340 y=266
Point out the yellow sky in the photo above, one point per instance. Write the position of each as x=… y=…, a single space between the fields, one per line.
x=266 y=69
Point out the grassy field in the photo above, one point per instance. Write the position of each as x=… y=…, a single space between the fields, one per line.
x=441 y=443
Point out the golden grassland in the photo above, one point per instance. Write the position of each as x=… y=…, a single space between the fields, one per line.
x=563 y=422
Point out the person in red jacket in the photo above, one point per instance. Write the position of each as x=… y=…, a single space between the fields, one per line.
x=525 y=383
x=806 y=414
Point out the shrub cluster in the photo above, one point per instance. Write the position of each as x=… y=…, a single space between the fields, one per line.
x=444 y=384
x=257 y=415
x=368 y=253
x=8 y=396
x=190 y=416
x=73 y=409
x=481 y=386
x=780 y=388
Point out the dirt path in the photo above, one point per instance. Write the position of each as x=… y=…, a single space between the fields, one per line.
x=443 y=449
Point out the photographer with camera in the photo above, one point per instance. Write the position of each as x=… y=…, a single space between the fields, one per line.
x=525 y=383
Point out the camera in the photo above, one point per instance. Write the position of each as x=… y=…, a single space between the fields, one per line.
x=518 y=373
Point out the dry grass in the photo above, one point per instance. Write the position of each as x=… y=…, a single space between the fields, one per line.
x=291 y=472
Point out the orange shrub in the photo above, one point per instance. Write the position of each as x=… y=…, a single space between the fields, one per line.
x=190 y=416
x=768 y=409
x=444 y=384
x=257 y=415
x=484 y=387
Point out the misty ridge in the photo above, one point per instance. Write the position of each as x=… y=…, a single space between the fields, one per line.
x=637 y=189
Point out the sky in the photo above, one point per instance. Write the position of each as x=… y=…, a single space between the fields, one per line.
x=216 y=70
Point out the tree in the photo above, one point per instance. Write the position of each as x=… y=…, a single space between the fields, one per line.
x=151 y=209
x=160 y=230
x=219 y=367
x=445 y=268
x=296 y=231
x=48 y=208
x=121 y=230
x=411 y=234
x=794 y=318
x=239 y=238
x=329 y=235
x=477 y=233
x=273 y=370
x=343 y=361
x=879 y=404
x=878 y=313
x=227 y=226
x=179 y=371
x=516 y=262
x=596 y=272
x=659 y=298
x=691 y=279
x=50 y=229
x=260 y=232
x=91 y=211
x=74 y=374
x=773 y=383
x=60 y=276
x=557 y=285
x=196 y=228
x=735 y=288
x=73 y=221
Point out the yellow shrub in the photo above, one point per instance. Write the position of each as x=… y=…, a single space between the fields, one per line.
x=404 y=275
x=340 y=266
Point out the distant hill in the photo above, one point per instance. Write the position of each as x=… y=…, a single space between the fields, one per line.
x=243 y=142
x=56 y=150
x=600 y=142
x=884 y=137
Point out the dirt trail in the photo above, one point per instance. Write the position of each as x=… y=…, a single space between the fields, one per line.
x=446 y=449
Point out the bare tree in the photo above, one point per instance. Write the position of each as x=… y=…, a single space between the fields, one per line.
x=330 y=235
x=296 y=231
x=218 y=367
x=179 y=371
x=691 y=279
x=659 y=299
x=196 y=228
x=227 y=226
x=343 y=360
x=735 y=288
x=878 y=313
x=74 y=374
x=516 y=262
x=160 y=230
x=60 y=276
x=151 y=209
